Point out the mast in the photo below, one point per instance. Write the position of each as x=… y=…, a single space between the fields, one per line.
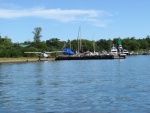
x=79 y=39
x=70 y=44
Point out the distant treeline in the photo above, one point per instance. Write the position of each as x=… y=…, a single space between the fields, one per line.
x=10 y=49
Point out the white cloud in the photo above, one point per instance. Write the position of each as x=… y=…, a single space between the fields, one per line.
x=91 y=16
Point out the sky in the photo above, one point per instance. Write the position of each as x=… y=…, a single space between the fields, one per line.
x=98 y=19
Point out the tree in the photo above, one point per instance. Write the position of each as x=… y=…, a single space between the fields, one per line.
x=148 y=40
x=37 y=34
x=126 y=43
x=55 y=44
x=143 y=44
x=104 y=44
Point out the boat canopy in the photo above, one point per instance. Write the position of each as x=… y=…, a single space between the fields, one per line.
x=67 y=51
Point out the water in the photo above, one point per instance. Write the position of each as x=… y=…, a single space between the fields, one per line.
x=84 y=86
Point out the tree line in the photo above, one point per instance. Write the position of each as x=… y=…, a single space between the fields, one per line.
x=10 y=49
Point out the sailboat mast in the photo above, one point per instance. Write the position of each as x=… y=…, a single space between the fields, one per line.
x=79 y=39
x=70 y=44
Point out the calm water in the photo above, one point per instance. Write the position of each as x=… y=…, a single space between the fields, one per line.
x=87 y=86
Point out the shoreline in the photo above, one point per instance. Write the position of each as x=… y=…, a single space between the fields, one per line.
x=23 y=59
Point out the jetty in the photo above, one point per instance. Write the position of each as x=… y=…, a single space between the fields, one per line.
x=84 y=57
x=92 y=57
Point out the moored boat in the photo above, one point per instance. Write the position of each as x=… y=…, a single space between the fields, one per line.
x=114 y=51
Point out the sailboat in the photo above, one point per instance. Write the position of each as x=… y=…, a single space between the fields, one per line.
x=80 y=55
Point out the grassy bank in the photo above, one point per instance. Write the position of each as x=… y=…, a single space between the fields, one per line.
x=22 y=59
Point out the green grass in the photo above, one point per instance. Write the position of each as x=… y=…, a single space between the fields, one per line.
x=22 y=59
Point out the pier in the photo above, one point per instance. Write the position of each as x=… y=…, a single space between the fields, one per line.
x=97 y=57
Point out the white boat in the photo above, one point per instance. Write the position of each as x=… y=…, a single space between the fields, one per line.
x=132 y=53
x=118 y=53
x=121 y=53
x=114 y=50
x=125 y=51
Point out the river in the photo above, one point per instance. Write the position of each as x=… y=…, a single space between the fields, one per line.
x=84 y=86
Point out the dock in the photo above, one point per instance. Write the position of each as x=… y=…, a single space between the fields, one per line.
x=96 y=57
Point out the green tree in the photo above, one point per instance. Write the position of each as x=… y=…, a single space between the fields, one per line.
x=87 y=45
x=143 y=44
x=74 y=45
x=104 y=44
x=37 y=34
x=126 y=43
x=6 y=42
x=5 y=47
x=55 y=44
x=148 y=40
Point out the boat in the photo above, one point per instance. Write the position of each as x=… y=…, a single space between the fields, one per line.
x=125 y=51
x=114 y=51
x=118 y=53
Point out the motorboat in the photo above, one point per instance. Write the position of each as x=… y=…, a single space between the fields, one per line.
x=120 y=51
x=114 y=50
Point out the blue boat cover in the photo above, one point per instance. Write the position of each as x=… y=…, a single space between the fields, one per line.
x=67 y=51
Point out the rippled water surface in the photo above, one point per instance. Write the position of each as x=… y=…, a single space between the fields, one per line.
x=102 y=86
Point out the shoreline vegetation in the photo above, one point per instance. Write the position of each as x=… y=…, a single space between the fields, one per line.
x=23 y=59
x=8 y=49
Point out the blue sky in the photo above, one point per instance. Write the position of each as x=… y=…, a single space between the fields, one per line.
x=99 y=19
